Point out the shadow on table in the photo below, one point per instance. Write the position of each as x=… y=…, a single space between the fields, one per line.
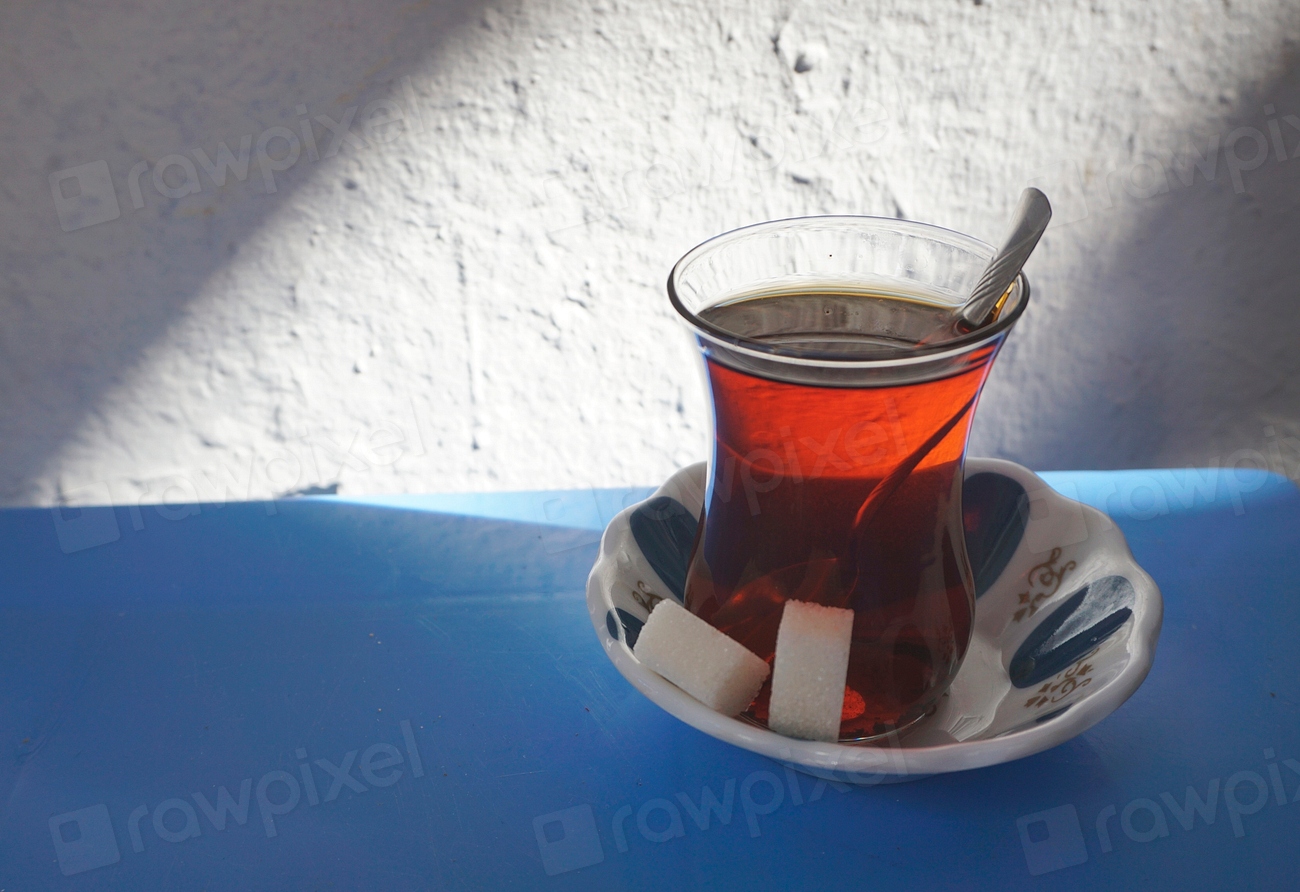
x=279 y=552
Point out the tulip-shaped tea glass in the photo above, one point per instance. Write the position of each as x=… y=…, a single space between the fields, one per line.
x=838 y=444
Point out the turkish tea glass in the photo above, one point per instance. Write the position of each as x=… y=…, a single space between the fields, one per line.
x=838 y=444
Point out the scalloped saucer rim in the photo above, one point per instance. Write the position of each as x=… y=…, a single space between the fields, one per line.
x=1051 y=524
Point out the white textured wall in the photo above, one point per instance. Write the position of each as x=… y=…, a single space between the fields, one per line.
x=472 y=297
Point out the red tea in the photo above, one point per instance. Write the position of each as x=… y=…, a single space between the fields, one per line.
x=844 y=496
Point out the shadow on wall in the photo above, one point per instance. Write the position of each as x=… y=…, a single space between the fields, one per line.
x=1184 y=348
x=160 y=137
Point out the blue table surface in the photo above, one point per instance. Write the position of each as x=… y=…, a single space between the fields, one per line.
x=406 y=693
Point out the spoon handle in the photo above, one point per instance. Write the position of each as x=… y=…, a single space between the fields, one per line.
x=1030 y=220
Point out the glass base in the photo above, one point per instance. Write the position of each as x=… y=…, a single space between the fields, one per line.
x=869 y=740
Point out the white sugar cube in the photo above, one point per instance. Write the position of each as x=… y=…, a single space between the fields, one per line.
x=812 y=662
x=699 y=659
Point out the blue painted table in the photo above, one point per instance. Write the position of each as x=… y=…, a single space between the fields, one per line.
x=407 y=693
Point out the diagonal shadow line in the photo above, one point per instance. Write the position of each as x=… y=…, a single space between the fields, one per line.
x=95 y=83
x=1191 y=325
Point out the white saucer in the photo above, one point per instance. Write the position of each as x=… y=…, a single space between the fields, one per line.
x=1062 y=608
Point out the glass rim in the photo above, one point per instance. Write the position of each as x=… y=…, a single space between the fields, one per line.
x=763 y=350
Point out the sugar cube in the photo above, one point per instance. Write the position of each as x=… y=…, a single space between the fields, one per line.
x=812 y=662
x=699 y=659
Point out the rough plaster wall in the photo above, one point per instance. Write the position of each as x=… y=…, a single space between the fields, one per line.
x=472 y=297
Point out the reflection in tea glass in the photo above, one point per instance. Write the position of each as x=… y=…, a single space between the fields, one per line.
x=836 y=467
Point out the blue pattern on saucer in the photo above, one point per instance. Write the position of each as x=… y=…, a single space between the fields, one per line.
x=995 y=512
x=1062 y=605
x=632 y=626
x=665 y=532
x=1087 y=618
x=995 y=509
